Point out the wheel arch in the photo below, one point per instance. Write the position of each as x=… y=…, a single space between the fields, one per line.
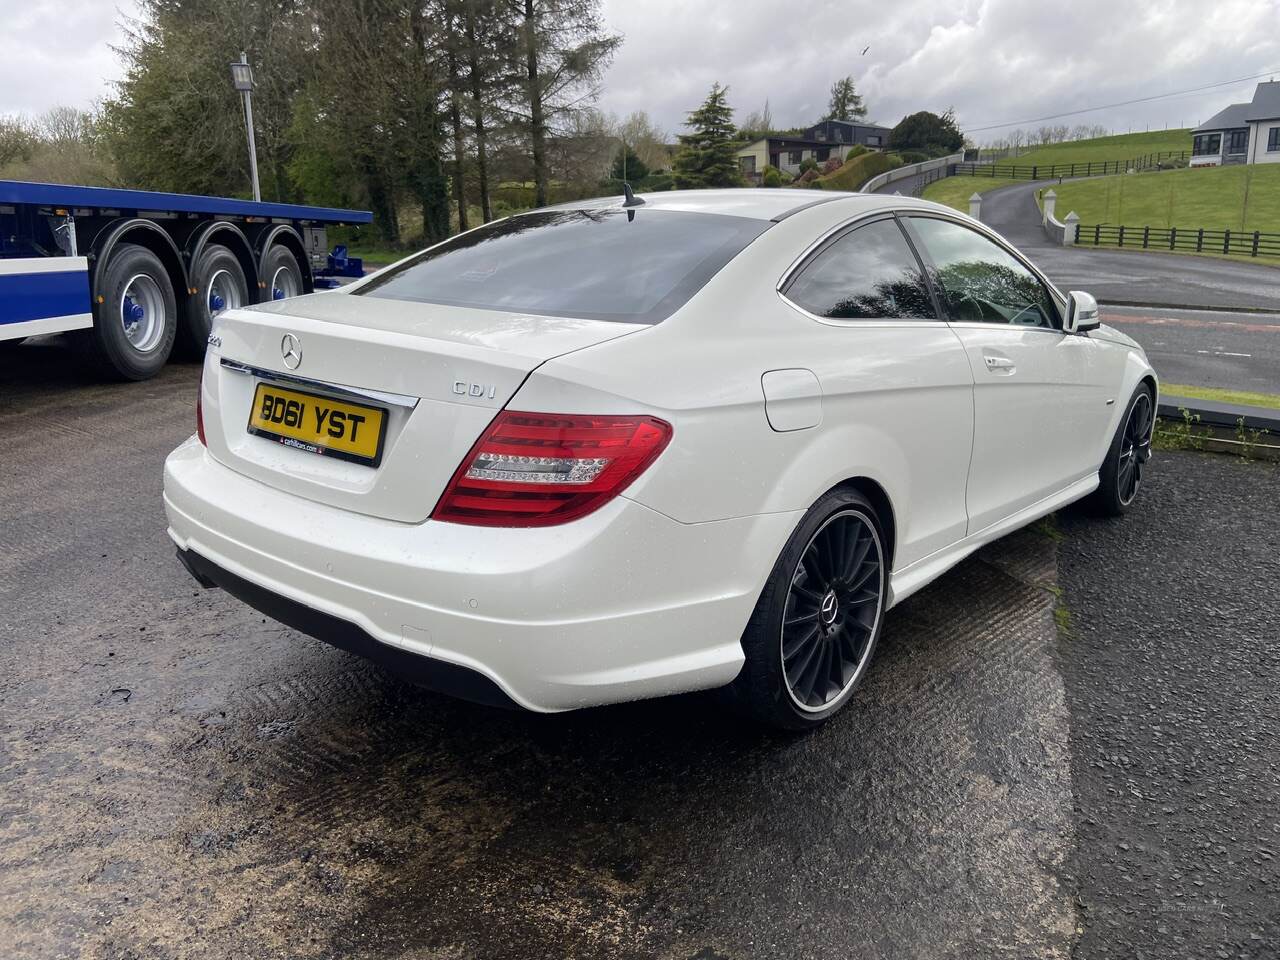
x=879 y=499
x=228 y=235
x=283 y=235
x=143 y=233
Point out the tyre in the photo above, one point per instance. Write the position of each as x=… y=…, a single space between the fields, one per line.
x=281 y=274
x=220 y=285
x=815 y=626
x=135 y=323
x=1126 y=460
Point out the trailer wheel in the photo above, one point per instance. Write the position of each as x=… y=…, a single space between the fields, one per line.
x=281 y=275
x=135 y=315
x=220 y=286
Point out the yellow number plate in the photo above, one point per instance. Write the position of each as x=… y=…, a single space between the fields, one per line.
x=332 y=428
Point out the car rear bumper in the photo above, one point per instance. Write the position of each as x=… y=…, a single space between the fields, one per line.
x=619 y=605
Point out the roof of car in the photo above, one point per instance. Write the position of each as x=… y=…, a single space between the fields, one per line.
x=756 y=203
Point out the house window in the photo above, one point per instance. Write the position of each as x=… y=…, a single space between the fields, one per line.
x=823 y=153
x=1273 y=140
x=748 y=164
x=873 y=141
x=820 y=134
x=845 y=134
x=1207 y=145
x=794 y=157
x=1237 y=141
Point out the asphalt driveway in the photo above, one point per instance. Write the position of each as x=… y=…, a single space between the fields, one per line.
x=1123 y=276
x=181 y=778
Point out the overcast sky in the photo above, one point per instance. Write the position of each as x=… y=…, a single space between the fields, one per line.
x=992 y=60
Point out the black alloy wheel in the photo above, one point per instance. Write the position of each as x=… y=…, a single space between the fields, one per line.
x=1135 y=448
x=1122 y=471
x=832 y=610
x=814 y=628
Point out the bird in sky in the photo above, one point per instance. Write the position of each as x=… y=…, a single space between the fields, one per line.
x=865 y=49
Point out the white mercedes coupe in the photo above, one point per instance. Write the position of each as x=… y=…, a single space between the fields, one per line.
x=629 y=447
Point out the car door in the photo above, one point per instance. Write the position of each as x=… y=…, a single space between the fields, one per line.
x=1040 y=395
x=895 y=385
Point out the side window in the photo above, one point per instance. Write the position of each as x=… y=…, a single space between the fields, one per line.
x=981 y=281
x=869 y=273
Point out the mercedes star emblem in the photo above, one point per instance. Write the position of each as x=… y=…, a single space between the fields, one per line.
x=291 y=351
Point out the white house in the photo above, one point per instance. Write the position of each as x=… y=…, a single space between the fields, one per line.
x=1242 y=133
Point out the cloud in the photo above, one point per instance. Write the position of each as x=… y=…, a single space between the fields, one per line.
x=57 y=52
x=992 y=60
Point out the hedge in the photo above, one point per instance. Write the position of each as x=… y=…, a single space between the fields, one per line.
x=858 y=170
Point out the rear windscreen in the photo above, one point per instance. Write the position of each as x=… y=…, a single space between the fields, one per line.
x=636 y=266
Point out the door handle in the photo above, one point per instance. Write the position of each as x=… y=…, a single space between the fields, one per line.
x=998 y=364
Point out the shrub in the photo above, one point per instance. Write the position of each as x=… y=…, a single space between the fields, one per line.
x=772 y=177
x=832 y=165
x=808 y=176
x=857 y=151
x=914 y=156
x=807 y=164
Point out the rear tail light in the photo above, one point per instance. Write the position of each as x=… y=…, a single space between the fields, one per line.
x=200 y=410
x=540 y=469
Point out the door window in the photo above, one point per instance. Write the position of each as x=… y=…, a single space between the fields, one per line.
x=869 y=273
x=980 y=280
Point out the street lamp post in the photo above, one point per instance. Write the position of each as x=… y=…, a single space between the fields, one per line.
x=242 y=78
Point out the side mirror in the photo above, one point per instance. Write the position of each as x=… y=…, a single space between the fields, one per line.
x=1082 y=313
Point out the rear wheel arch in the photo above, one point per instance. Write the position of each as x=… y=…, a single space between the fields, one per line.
x=285 y=237
x=879 y=499
x=227 y=235
x=142 y=233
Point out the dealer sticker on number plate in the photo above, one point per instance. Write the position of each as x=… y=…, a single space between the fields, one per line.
x=305 y=421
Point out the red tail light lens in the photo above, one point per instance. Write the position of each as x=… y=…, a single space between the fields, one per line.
x=540 y=469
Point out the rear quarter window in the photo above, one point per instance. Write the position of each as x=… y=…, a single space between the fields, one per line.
x=635 y=266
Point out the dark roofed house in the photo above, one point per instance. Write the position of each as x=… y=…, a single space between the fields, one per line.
x=1242 y=133
x=821 y=142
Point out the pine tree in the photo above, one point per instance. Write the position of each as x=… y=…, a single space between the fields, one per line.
x=706 y=157
x=846 y=103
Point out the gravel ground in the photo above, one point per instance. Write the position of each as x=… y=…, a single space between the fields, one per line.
x=1171 y=660
x=180 y=778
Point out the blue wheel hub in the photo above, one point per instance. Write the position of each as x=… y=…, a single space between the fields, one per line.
x=216 y=303
x=131 y=312
x=277 y=293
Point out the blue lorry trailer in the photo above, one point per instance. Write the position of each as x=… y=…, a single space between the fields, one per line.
x=132 y=274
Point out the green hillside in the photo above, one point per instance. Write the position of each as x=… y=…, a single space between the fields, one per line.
x=1122 y=147
x=1216 y=198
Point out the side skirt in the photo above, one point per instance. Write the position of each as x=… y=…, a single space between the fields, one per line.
x=907 y=581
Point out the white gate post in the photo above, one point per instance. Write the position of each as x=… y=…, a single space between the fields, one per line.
x=1072 y=233
x=975 y=206
x=1050 y=201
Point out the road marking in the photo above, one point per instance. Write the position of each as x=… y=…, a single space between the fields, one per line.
x=1120 y=320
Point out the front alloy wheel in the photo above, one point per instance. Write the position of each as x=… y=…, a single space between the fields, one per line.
x=1125 y=465
x=1135 y=448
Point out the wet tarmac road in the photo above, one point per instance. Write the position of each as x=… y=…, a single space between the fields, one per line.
x=180 y=778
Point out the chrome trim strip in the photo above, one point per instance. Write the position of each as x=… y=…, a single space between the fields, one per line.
x=397 y=399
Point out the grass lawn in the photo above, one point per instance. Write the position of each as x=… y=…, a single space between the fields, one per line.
x=1126 y=146
x=1245 y=397
x=1209 y=197
x=955 y=191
